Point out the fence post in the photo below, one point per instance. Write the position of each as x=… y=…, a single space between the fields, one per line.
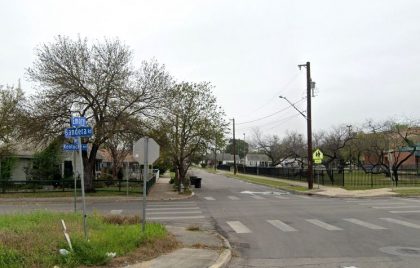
x=344 y=175
x=371 y=180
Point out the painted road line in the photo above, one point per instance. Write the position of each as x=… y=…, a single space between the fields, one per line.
x=170 y=206
x=281 y=197
x=209 y=198
x=407 y=199
x=238 y=227
x=170 y=209
x=381 y=204
x=174 y=212
x=365 y=224
x=304 y=196
x=116 y=211
x=231 y=197
x=324 y=225
x=257 y=197
x=400 y=222
x=404 y=211
x=282 y=226
x=395 y=207
x=176 y=218
x=171 y=203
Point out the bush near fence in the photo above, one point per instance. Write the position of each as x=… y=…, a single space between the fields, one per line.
x=22 y=186
x=348 y=178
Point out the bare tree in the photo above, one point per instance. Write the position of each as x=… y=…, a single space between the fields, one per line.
x=99 y=82
x=190 y=122
x=332 y=144
x=11 y=108
x=279 y=150
x=386 y=146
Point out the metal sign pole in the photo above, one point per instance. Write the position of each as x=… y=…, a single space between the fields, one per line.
x=146 y=147
x=75 y=181
x=83 y=187
x=126 y=174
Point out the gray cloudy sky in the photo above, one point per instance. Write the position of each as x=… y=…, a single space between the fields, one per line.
x=364 y=54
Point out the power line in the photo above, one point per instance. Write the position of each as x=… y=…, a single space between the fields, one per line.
x=291 y=80
x=270 y=115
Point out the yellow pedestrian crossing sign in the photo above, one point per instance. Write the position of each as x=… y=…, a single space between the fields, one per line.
x=317 y=156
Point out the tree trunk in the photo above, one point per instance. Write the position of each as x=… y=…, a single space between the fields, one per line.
x=89 y=168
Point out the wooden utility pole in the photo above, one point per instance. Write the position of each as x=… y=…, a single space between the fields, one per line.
x=309 y=122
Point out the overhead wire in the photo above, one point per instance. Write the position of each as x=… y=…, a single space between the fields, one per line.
x=270 y=115
x=291 y=80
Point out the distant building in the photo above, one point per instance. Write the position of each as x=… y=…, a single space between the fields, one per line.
x=257 y=160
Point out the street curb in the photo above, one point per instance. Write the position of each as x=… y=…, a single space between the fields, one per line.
x=225 y=257
x=88 y=199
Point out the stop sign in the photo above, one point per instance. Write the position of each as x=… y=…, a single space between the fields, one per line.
x=152 y=150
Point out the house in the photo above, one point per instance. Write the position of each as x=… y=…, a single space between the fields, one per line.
x=259 y=160
x=222 y=159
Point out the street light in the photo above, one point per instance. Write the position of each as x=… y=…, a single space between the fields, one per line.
x=309 y=86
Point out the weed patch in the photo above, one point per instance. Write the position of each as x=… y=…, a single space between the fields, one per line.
x=34 y=240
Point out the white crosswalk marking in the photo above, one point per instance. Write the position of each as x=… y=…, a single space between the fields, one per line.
x=209 y=198
x=116 y=211
x=365 y=224
x=172 y=208
x=172 y=205
x=239 y=227
x=231 y=197
x=403 y=223
x=281 y=225
x=304 y=196
x=174 y=212
x=404 y=211
x=324 y=225
x=381 y=204
x=395 y=207
x=257 y=197
x=176 y=218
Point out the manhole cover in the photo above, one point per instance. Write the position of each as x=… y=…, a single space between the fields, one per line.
x=402 y=251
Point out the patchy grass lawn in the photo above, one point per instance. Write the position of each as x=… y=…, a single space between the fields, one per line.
x=34 y=240
x=267 y=182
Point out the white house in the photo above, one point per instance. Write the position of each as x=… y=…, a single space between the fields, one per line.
x=257 y=160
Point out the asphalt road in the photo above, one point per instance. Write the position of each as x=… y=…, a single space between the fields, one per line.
x=271 y=228
x=274 y=229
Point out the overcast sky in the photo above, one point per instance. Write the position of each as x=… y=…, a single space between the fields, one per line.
x=364 y=55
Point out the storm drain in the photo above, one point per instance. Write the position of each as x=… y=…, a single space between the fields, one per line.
x=402 y=251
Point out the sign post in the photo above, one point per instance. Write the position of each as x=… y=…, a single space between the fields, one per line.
x=145 y=151
x=317 y=156
x=78 y=130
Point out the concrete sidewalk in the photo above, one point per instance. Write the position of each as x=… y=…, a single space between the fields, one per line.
x=199 y=249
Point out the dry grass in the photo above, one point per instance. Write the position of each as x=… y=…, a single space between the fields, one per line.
x=147 y=252
x=121 y=219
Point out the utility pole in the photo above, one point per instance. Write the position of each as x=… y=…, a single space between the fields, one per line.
x=309 y=122
x=234 y=148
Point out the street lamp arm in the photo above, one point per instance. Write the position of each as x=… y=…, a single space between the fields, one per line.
x=291 y=104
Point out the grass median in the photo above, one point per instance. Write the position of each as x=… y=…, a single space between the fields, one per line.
x=267 y=182
x=34 y=240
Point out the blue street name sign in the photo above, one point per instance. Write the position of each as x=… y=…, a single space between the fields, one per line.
x=73 y=132
x=74 y=147
x=78 y=122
